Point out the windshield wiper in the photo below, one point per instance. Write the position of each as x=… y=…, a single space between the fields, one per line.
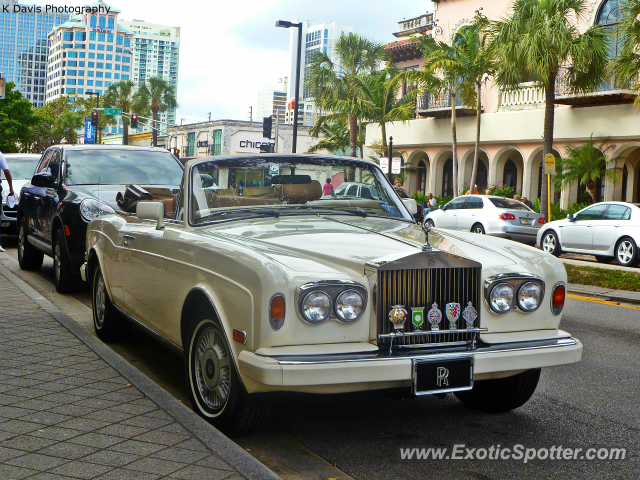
x=359 y=212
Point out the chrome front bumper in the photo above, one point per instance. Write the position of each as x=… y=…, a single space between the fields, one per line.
x=381 y=369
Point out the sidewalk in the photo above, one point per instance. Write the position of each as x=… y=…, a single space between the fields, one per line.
x=71 y=408
x=605 y=293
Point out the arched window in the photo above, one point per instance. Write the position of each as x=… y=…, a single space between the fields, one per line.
x=102 y=22
x=608 y=16
x=510 y=178
x=625 y=180
x=447 y=178
x=481 y=177
x=110 y=23
x=93 y=21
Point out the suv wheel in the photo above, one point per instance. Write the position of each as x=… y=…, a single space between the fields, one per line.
x=66 y=278
x=29 y=257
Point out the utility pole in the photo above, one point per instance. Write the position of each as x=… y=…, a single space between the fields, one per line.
x=275 y=145
x=251 y=114
x=209 y=116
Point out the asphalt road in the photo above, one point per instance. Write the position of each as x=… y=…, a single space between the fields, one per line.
x=593 y=404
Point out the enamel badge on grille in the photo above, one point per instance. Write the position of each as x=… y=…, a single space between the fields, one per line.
x=417 y=319
x=397 y=316
x=453 y=313
x=435 y=316
x=469 y=315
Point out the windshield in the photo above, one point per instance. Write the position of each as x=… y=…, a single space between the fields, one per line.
x=122 y=167
x=22 y=168
x=254 y=187
x=509 y=204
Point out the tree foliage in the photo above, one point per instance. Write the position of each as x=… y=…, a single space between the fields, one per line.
x=627 y=65
x=157 y=95
x=335 y=136
x=122 y=95
x=16 y=119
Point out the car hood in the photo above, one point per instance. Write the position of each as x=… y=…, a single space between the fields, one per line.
x=324 y=244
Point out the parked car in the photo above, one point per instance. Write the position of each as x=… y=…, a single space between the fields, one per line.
x=73 y=184
x=22 y=166
x=608 y=230
x=363 y=190
x=283 y=289
x=488 y=214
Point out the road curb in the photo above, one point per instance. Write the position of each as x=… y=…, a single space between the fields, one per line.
x=615 y=295
x=212 y=438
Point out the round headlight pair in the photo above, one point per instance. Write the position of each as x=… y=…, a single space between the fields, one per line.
x=317 y=307
x=529 y=297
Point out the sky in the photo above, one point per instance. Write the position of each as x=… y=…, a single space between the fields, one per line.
x=231 y=50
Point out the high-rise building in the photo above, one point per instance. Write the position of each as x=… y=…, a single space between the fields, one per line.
x=156 y=51
x=273 y=102
x=88 y=53
x=23 y=46
x=320 y=37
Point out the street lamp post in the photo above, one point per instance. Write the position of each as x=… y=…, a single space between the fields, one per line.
x=285 y=24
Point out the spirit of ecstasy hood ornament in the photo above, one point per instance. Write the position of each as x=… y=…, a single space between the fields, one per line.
x=427 y=246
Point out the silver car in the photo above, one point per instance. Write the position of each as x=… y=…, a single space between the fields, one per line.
x=22 y=166
x=488 y=214
x=607 y=230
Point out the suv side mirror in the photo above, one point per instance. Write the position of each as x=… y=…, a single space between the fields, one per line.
x=151 y=211
x=442 y=207
x=42 y=179
x=570 y=218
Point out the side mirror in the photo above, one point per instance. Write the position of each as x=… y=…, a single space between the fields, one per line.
x=42 y=179
x=570 y=218
x=151 y=211
x=441 y=207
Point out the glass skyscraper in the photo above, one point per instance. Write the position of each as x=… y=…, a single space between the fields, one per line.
x=23 y=47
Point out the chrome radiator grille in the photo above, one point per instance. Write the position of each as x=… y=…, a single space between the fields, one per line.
x=421 y=288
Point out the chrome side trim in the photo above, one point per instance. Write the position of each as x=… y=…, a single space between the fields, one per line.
x=384 y=355
x=156 y=335
x=40 y=245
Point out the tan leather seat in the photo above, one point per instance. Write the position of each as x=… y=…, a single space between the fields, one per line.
x=301 y=192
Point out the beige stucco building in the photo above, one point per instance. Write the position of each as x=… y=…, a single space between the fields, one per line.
x=512 y=122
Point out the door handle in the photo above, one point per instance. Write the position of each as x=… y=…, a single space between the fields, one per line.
x=589 y=226
x=128 y=238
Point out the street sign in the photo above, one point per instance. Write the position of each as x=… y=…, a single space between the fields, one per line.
x=88 y=131
x=550 y=163
x=113 y=111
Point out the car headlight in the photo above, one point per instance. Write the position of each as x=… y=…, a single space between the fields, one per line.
x=349 y=306
x=316 y=307
x=92 y=209
x=529 y=296
x=501 y=298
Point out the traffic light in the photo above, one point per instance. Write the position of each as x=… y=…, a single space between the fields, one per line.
x=134 y=120
x=176 y=152
x=94 y=119
x=267 y=122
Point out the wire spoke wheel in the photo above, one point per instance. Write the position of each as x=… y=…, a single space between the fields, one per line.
x=212 y=368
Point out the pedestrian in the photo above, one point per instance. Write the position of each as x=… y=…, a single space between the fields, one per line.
x=516 y=197
x=488 y=192
x=327 y=187
x=429 y=205
x=527 y=202
x=7 y=174
x=475 y=190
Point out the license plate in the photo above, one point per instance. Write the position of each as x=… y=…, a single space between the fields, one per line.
x=441 y=376
x=526 y=221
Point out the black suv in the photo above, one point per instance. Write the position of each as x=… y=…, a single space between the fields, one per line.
x=75 y=184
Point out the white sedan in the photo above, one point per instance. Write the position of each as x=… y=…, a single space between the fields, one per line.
x=488 y=214
x=607 y=230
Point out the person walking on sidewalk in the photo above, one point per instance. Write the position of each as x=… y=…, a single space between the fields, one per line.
x=5 y=168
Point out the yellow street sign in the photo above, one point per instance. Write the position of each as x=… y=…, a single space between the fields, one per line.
x=550 y=164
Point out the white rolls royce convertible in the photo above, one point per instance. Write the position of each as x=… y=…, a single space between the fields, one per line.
x=265 y=285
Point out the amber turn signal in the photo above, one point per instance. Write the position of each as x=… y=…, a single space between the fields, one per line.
x=276 y=312
x=557 y=299
x=240 y=336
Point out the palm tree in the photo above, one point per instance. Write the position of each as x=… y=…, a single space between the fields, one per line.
x=336 y=136
x=627 y=65
x=331 y=82
x=586 y=164
x=69 y=122
x=536 y=41
x=480 y=65
x=121 y=95
x=377 y=95
x=446 y=73
x=159 y=96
